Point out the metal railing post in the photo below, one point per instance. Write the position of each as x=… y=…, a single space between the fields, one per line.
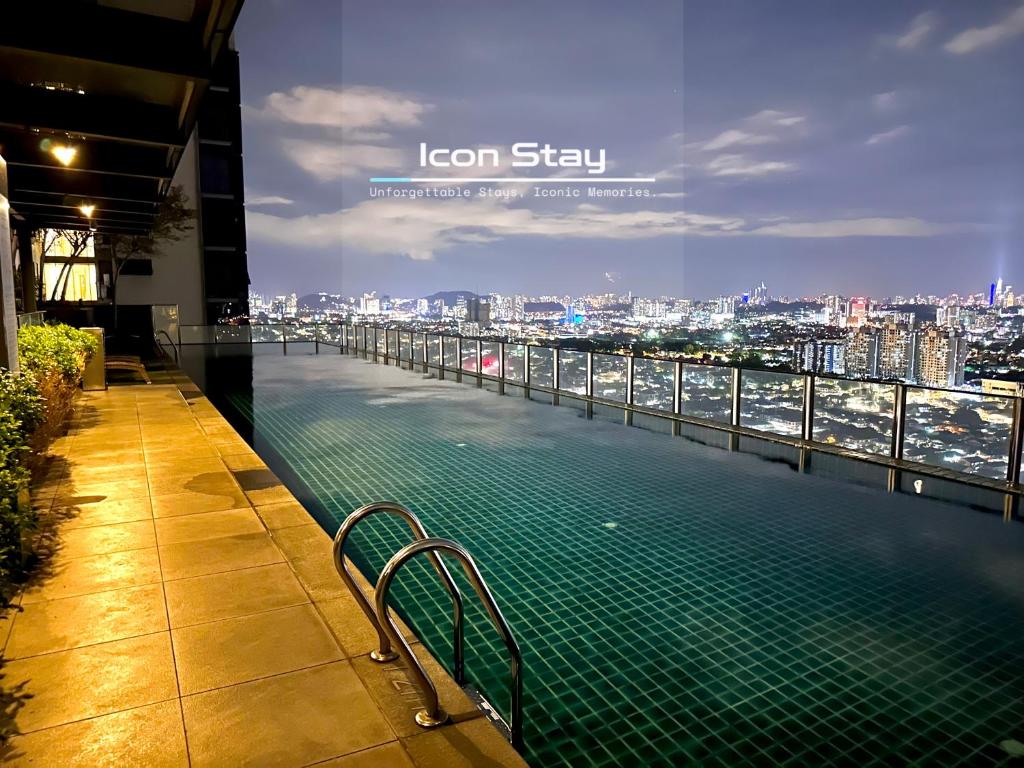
x=479 y=363
x=807 y=433
x=677 y=397
x=526 y=371
x=555 y=360
x=736 y=412
x=588 y=388
x=899 y=425
x=628 y=413
x=458 y=358
x=1016 y=443
x=501 y=367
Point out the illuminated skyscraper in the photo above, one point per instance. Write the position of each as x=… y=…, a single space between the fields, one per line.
x=941 y=356
x=896 y=350
x=862 y=353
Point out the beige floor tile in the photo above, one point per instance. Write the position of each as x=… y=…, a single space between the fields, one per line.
x=84 y=458
x=472 y=744
x=95 y=680
x=305 y=540
x=127 y=490
x=391 y=755
x=215 y=483
x=231 y=594
x=101 y=539
x=174 y=469
x=229 y=553
x=349 y=624
x=285 y=514
x=237 y=650
x=272 y=495
x=400 y=699
x=80 y=476
x=103 y=513
x=146 y=737
x=237 y=462
x=96 y=573
x=207 y=525
x=58 y=625
x=197 y=449
x=317 y=575
x=191 y=502
x=288 y=720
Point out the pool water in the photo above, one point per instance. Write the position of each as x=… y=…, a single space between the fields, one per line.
x=676 y=604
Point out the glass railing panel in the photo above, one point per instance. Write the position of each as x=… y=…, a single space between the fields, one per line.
x=405 y=345
x=468 y=362
x=854 y=414
x=330 y=333
x=515 y=355
x=542 y=366
x=417 y=347
x=434 y=349
x=706 y=392
x=381 y=340
x=653 y=383
x=197 y=334
x=350 y=336
x=300 y=332
x=368 y=335
x=772 y=402
x=490 y=358
x=610 y=377
x=572 y=371
x=266 y=333
x=392 y=337
x=450 y=347
x=232 y=334
x=963 y=431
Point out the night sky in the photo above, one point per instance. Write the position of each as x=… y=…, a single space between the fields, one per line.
x=861 y=148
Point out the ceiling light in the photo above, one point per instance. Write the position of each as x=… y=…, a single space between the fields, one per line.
x=65 y=155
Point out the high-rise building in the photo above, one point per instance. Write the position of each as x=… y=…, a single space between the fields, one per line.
x=820 y=356
x=369 y=304
x=478 y=311
x=862 y=353
x=896 y=351
x=941 y=357
x=858 y=312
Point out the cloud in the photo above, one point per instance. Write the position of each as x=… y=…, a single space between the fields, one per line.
x=883 y=102
x=866 y=227
x=978 y=38
x=741 y=165
x=671 y=194
x=349 y=108
x=920 y=29
x=256 y=200
x=735 y=137
x=327 y=161
x=886 y=136
x=420 y=228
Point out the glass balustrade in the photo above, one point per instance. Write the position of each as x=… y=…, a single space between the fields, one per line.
x=610 y=377
x=572 y=371
x=772 y=402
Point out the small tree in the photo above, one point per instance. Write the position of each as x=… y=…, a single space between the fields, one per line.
x=173 y=219
x=78 y=241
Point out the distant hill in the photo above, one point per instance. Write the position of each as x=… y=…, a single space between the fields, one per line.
x=778 y=307
x=451 y=298
x=319 y=301
x=546 y=307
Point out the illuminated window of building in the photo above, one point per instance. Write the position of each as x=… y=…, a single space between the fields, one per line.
x=67 y=275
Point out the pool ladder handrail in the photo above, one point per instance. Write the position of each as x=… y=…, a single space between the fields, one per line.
x=384 y=653
x=432 y=714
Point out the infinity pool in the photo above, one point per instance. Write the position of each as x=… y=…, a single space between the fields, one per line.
x=677 y=604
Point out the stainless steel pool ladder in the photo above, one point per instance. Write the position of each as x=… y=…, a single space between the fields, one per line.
x=387 y=630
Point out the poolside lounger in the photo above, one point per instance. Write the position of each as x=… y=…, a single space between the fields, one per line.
x=127 y=363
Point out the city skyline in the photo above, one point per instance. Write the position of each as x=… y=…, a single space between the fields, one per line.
x=847 y=146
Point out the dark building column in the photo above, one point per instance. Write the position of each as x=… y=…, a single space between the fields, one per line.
x=28 y=269
x=8 y=315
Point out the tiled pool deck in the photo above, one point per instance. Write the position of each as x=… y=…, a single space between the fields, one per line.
x=189 y=614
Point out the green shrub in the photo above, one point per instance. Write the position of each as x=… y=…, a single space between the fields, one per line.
x=55 y=348
x=34 y=407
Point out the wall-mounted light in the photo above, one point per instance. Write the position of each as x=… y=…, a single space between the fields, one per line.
x=87 y=209
x=65 y=154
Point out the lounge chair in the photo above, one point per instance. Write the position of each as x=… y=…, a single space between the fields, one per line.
x=127 y=363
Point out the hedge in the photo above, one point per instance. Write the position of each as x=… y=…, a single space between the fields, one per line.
x=34 y=406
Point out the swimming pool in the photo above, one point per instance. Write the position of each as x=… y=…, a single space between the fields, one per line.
x=675 y=603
